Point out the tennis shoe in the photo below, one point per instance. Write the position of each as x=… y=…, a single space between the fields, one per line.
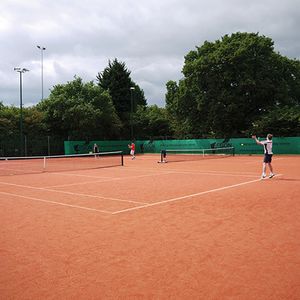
x=271 y=175
x=263 y=176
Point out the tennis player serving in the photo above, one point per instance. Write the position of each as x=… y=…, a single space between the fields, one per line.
x=267 y=144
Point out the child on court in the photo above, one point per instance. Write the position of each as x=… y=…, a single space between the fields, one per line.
x=267 y=144
x=95 y=148
x=132 y=150
x=163 y=156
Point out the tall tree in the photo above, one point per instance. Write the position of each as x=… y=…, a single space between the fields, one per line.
x=81 y=110
x=116 y=80
x=180 y=106
x=234 y=81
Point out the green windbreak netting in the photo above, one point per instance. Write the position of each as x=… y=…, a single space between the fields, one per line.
x=285 y=145
x=80 y=147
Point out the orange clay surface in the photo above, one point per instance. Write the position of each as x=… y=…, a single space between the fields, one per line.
x=207 y=229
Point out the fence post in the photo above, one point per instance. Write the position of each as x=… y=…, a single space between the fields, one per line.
x=25 y=145
x=48 y=139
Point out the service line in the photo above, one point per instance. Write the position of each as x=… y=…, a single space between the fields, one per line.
x=188 y=196
x=56 y=203
x=71 y=193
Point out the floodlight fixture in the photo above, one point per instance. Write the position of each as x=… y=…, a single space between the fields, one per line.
x=21 y=71
x=42 y=68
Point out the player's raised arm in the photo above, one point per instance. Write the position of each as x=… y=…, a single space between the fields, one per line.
x=256 y=140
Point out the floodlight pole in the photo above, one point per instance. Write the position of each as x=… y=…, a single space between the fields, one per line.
x=131 y=112
x=42 y=68
x=21 y=71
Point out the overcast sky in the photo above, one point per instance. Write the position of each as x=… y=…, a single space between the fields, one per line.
x=150 y=36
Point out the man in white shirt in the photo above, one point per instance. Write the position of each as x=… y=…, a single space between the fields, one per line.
x=267 y=144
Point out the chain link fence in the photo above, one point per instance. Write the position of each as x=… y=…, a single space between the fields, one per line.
x=31 y=145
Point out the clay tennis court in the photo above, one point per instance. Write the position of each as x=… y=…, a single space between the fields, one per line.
x=207 y=229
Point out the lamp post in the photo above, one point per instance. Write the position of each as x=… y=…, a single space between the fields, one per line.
x=42 y=68
x=131 y=112
x=21 y=71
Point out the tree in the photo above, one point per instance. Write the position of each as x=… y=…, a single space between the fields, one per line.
x=116 y=80
x=33 y=120
x=181 y=112
x=151 y=121
x=9 y=121
x=80 y=110
x=34 y=136
x=231 y=83
x=283 y=121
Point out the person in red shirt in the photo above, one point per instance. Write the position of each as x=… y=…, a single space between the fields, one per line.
x=132 y=150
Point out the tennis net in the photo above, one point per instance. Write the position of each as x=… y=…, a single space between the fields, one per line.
x=173 y=155
x=59 y=163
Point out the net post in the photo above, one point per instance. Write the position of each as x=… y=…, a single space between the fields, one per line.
x=122 y=159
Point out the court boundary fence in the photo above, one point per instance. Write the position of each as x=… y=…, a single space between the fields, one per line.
x=281 y=145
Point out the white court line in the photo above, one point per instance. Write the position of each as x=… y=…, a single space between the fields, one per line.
x=70 y=193
x=108 y=180
x=78 y=175
x=167 y=172
x=155 y=173
x=216 y=173
x=79 y=183
x=188 y=196
x=57 y=203
x=211 y=172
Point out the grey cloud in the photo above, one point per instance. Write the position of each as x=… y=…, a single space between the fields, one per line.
x=151 y=37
